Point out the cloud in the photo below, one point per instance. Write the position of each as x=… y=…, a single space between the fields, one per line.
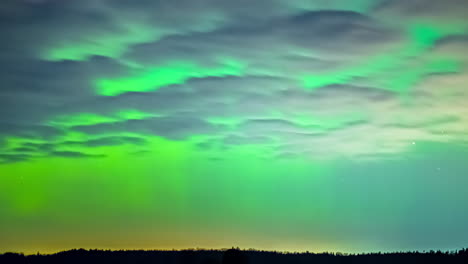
x=174 y=127
x=321 y=79
x=30 y=131
x=439 y=11
x=314 y=39
x=70 y=30
x=41 y=147
x=436 y=113
x=34 y=90
x=73 y=154
x=25 y=150
x=112 y=141
x=388 y=124
x=12 y=158
x=453 y=46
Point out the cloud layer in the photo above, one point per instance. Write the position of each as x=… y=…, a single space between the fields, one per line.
x=368 y=79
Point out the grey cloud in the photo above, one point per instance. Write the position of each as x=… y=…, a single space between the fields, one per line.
x=12 y=158
x=30 y=150
x=353 y=92
x=35 y=26
x=106 y=141
x=250 y=99
x=32 y=26
x=31 y=131
x=390 y=125
x=34 y=91
x=274 y=38
x=333 y=35
x=453 y=46
x=24 y=149
x=440 y=11
x=198 y=97
x=271 y=126
x=245 y=140
x=73 y=154
x=115 y=141
x=233 y=139
x=340 y=31
x=42 y=147
x=170 y=127
x=28 y=147
x=425 y=6
x=63 y=79
x=219 y=11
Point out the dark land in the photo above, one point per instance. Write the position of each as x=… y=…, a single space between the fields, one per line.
x=230 y=256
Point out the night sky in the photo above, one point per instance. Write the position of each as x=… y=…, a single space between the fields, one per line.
x=327 y=125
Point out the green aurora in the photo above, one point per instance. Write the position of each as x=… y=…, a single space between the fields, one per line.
x=283 y=125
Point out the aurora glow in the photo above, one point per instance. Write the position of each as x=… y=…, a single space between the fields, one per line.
x=296 y=125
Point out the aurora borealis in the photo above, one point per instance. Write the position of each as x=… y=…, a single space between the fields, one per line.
x=326 y=125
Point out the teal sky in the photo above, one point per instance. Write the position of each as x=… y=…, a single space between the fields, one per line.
x=282 y=125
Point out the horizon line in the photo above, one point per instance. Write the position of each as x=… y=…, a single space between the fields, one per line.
x=426 y=251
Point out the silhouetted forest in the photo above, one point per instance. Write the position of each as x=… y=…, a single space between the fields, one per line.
x=231 y=256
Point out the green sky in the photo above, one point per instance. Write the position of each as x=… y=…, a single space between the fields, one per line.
x=287 y=125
